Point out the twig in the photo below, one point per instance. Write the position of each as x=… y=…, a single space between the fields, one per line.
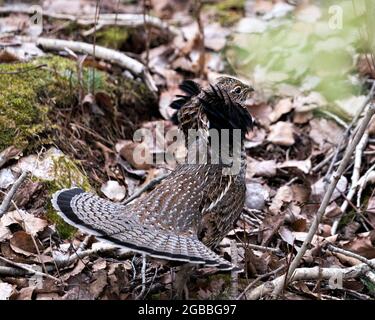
x=148 y=186
x=8 y=198
x=363 y=182
x=25 y=69
x=354 y=184
x=105 y=19
x=31 y=270
x=331 y=187
x=316 y=273
x=347 y=132
x=116 y=57
x=143 y=273
x=255 y=281
x=202 y=58
x=254 y=247
x=370 y=263
x=234 y=273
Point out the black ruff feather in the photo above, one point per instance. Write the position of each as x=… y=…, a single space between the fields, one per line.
x=223 y=112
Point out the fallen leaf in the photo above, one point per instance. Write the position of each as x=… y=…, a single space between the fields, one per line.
x=22 y=243
x=283 y=195
x=265 y=168
x=362 y=245
x=7 y=178
x=324 y=132
x=6 y=290
x=282 y=133
x=113 y=190
x=303 y=165
x=302 y=117
x=256 y=195
x=308 y=103
x=26 y=293
x=32 y=224
x=318 y=189
x=282 y=107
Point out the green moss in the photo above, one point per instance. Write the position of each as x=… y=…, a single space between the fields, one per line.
x=227 y=12
x=27 y=96
x=66 y=175
x=112 y=37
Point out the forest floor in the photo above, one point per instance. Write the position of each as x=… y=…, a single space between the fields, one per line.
x=67 y=119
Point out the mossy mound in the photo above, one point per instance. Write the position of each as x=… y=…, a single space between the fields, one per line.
x=27 y=94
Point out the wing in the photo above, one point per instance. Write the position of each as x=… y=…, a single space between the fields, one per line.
x=151 y=225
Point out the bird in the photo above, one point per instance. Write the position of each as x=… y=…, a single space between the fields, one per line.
x=185 y=216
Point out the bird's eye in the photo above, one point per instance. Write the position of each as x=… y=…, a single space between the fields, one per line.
x=237 y=89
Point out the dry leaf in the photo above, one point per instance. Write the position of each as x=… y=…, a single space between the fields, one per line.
x=283 y=195
x=282 y=107
x=282 y=133
x=325 y=131
x=113 y=190
x=6 y=290
x=266 y=168
x=303 y=165
x=32 y=224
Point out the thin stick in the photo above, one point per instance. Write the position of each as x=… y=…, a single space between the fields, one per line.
x=116 y=57
x=347 y=132
x=8 y=198
x=234 y=273
x=370 y=263
x=354 y=184
x=331 y=187
x=262 y=276
x=25 y=69
x=31 y=270
x=143 y=273
x=315 y=273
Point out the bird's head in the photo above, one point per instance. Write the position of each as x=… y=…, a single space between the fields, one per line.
x=237 y=90
x=224 y=103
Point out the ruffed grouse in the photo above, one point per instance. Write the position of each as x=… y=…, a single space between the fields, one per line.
x=191 y=210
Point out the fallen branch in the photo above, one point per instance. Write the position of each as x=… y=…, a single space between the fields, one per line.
x=326 y=200
x=354 y=183
x=29 y=269
x=255 y=281
x=8 y=198
x=109 y=19
x=370 y=263
x=113 y=56
x=315 y=273
x=234 y=273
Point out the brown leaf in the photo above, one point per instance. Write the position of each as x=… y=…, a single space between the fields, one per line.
x=282 y=107
x=6 y=290
x=8 y=154
x=25 y=293
x=22 y=243
x=30 y=223
x=363 y=245
x=303 y=165
x=325 y=132
x=282 y=133
x=97 y=287
x=266 y=168
x=283 y=195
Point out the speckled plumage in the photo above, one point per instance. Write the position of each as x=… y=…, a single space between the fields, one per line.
x=192 y=209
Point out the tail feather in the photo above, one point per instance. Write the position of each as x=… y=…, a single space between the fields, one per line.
x=114 y=223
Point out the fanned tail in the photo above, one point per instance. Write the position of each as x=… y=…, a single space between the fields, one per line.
x=114 y=223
